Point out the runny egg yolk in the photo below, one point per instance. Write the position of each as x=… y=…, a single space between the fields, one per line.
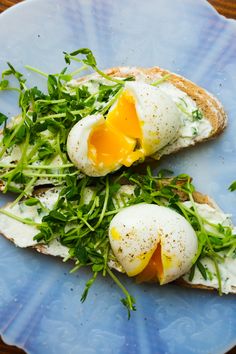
x=115 y=140
x=154 y=269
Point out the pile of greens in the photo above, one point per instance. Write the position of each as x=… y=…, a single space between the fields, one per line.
x=41 y=129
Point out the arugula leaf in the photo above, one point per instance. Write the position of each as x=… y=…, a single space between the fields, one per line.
x=45 y=150
x=3 y=118
x=192 y=273
x=21 y=134
x=88 y=286
x=89 y=57
x=31 y=201
x=55 y=215
x=81 y=254
x=19 y=178
x=232 y=187
x=202 y=269
x=12 y=71
x=4 y=84
x=53 y=86
x=90 y=61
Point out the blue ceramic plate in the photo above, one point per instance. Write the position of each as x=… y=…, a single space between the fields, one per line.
x=40 y=307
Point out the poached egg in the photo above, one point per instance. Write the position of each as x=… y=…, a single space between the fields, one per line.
x=152 y=242
x=143 y=120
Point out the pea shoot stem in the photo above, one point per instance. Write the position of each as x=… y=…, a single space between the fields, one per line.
x=38 y=167
x=51 y=175
x=7 y=144
x=161 y=80
x=104 y=204
x=59 y=115
x=17 y=218
x=79 y=70
x=130 y=303
x=26 y=191
x=37 y=71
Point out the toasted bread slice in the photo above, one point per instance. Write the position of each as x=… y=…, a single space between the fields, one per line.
x=22 y=236
x=208 y=124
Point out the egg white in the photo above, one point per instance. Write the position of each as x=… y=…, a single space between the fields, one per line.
x=158 y=116
x=77 y=146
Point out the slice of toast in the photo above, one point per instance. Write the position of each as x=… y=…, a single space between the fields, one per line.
x=209 y=124
x=22 y=236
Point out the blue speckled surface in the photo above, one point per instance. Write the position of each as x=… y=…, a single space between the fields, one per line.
x=40 y=307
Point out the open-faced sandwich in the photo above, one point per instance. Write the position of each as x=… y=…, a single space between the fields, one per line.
x=151 y=228
x=100 y=122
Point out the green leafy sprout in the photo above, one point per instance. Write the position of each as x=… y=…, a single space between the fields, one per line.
x=232 y=187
